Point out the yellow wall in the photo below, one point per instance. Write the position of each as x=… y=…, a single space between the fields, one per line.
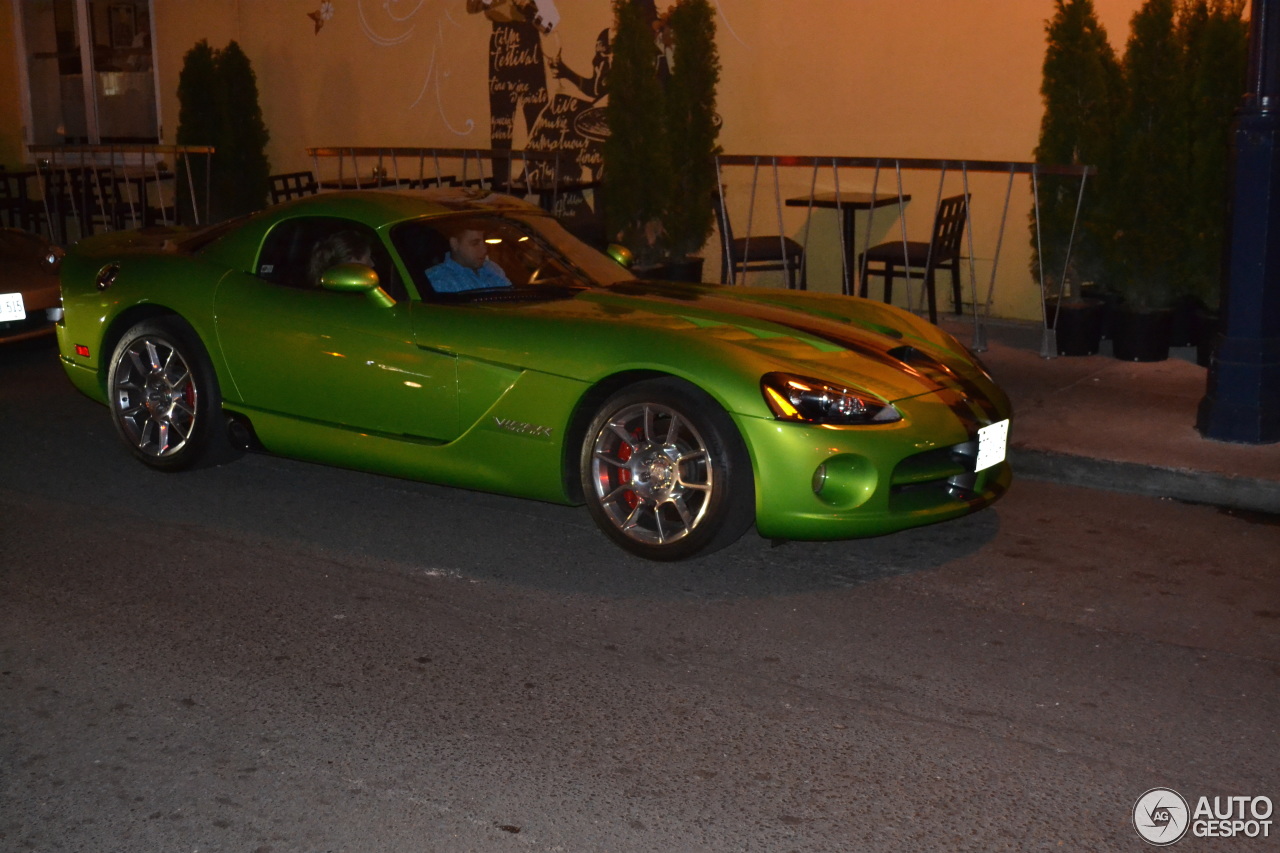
x=912 y=78
x=909 y=78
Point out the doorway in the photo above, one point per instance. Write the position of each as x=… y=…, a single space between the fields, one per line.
x=101 y=95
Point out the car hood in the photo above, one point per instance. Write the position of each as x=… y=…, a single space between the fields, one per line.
x=853 y=342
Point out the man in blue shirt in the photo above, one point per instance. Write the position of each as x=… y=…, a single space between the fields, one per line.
x=468 y=266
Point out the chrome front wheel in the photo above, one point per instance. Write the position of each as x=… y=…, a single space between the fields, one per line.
x=665 y=473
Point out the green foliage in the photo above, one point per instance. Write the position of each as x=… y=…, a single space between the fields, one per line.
x=1152 y=228
x=1151 y=164
x=659 y=157
x=218 y=106
x=1081 y=88
x=637 y=155
x=197 y=115
x=691 y=126
x=240 y=165
x=1215 y=38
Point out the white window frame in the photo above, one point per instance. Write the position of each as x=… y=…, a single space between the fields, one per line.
x=86 y=73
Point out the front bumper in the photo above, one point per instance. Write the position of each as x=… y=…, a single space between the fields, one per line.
x=848 y=482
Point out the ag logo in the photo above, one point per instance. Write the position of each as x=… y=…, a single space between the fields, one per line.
x=1161 y=816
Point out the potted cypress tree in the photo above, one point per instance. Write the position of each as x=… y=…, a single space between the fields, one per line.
x=1147 y=259
x=1080 y=87
x=636 y=154
x=659 y=161
x=1184 y=68
x=692 y=132
x=1215 y=41
x=241 y=170
x=218 y=106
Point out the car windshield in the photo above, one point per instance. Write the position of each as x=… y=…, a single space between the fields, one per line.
x=483 y=256
x=594 y=264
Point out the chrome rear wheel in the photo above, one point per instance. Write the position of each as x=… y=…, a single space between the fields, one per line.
x=164 y=397
x=154 y=396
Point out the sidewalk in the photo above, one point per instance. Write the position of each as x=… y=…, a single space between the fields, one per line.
x=1124 y=426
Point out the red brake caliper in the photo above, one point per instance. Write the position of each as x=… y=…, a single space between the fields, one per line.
x=624 y=475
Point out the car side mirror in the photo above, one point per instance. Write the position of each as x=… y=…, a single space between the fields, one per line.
x=356 y=278
x=621 y=254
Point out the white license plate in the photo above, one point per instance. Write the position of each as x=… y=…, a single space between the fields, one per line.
x=11 y=307
x=992 y=441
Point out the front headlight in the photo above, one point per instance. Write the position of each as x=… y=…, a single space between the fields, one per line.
x=810 y=401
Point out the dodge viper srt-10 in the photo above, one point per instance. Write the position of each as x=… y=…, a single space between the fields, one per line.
x=680 y=414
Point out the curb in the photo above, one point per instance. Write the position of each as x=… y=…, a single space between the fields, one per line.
x=1178 y=483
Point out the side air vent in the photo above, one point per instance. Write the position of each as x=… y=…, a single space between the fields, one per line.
x=908 y=354
x=107 y=276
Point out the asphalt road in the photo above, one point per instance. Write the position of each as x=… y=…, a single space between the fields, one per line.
x=277 y=656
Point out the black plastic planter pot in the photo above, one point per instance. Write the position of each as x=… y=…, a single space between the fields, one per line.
x=1141 y=335
x=1109 y=302
x=1077 y=324
x=1184 y=330
x=1207 y=337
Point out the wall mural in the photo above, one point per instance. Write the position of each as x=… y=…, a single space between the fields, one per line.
x=537 y=101
x=319 y=16
x=517 y=72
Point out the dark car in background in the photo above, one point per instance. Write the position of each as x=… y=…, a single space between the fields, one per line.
x=30 y=301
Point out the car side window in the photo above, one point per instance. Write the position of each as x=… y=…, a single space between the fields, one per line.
x=297 y=250
x=421 y=247
x=522 y=259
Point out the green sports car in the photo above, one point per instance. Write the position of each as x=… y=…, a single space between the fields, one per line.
x=335 y=329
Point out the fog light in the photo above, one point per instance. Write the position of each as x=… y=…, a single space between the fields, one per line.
x=845 y=481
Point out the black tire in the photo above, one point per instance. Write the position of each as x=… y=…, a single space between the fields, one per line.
x=164 y=398
x=665 y=473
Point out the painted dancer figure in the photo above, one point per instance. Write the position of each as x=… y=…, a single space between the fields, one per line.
x=517 y=74
x=573 y=125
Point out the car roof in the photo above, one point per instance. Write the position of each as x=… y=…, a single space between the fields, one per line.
x=389 y=205
x=235 y=242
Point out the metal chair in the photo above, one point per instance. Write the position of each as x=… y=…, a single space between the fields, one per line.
x=291 y=185
x=106 y=207
x=757 y=253
x=922 y=260
x=18 y=208
x=63 y=192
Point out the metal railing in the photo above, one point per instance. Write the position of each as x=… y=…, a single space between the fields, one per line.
x=81 y=184
x=878 y=166
x=370 y=167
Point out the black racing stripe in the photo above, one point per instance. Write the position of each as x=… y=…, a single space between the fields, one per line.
x=966 y=399
x=962 y=395
x=828 y=331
